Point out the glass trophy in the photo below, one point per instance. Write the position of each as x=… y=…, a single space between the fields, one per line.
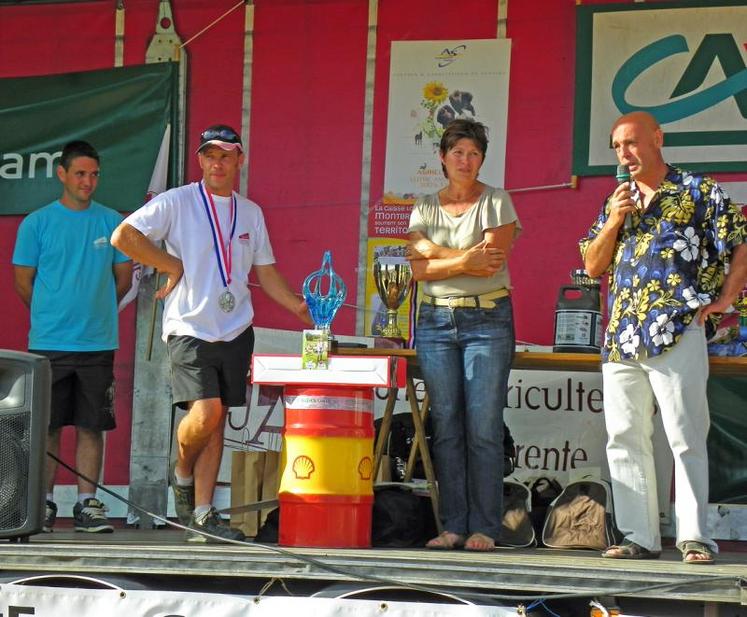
x=323 y=307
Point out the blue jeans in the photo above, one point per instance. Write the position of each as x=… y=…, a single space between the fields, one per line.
x=465 y=355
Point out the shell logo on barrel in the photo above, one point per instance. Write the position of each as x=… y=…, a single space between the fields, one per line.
x=365 y=467
x=303 y=467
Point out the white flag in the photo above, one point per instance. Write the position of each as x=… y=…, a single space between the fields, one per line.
x=157 y=185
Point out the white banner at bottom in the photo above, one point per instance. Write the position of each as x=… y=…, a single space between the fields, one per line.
x=19 y=600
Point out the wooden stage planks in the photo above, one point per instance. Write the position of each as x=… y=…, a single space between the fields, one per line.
x=143 y=553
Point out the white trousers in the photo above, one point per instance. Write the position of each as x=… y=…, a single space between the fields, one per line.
x=676 y=380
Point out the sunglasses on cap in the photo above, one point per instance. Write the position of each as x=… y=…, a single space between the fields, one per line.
x=221 y=134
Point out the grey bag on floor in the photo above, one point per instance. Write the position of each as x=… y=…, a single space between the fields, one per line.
x=517 y=530
x=581 y=516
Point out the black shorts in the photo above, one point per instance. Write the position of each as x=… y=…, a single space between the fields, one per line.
x=201 y=370
x=82 y=389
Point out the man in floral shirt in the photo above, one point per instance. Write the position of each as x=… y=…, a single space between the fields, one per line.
x=674 y=247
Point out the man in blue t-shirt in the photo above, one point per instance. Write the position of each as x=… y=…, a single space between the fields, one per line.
x=71 y=278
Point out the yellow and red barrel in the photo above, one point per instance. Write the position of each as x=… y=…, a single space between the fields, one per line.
x=326 y=488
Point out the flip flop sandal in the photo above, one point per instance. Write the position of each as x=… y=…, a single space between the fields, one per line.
x=479 y=542
x=629 y=550
x=446 y=541
x=697 y=548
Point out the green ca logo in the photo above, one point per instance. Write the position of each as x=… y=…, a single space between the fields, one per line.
x=721 y=47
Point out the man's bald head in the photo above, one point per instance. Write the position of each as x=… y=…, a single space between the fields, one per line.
x=637 y=140
x=641 y=118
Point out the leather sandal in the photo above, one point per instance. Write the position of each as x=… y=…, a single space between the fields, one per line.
x=629 y=550
x=479 y=542
x=446 y=541
x=702 y=552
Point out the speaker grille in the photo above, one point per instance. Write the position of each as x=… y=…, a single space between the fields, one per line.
x=14 y=469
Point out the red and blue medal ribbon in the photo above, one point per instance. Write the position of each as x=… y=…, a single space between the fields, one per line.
x=222 y=252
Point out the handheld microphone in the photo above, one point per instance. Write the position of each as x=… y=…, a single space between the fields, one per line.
x=622 y=174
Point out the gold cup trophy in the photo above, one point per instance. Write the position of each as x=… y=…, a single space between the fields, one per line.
x=392 y=282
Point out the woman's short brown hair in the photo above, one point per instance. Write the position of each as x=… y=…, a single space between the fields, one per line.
x=462 y=128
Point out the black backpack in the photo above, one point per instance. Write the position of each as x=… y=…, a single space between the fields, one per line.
x=402 y=436
x=401 y=519
x=268 y=532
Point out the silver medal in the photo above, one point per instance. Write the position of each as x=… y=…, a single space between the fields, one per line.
x=226 y=301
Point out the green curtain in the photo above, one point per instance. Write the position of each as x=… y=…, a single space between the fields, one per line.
x=122 y=112
x=727 y=439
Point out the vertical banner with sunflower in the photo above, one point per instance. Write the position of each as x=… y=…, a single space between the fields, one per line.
x=430 y=84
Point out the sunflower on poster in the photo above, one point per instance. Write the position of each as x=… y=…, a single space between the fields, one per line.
x=443 y=106
x=434 y=93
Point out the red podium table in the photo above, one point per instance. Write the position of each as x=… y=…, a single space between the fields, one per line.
x=327 y=467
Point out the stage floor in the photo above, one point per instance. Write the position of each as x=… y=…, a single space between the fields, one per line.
x=162 y=555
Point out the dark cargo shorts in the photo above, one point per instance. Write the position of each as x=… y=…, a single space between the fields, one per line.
x=202 y=370
x=82 y=389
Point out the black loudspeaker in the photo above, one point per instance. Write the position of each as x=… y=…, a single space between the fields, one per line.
x=25 y=392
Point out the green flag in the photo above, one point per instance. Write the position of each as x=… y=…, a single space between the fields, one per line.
x=122 y=112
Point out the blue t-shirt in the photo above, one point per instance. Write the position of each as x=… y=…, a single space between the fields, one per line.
x=74 y=299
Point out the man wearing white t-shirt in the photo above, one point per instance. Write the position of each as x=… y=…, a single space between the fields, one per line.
x=212 y=238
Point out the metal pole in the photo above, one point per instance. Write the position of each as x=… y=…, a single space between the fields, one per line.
x=373 y=8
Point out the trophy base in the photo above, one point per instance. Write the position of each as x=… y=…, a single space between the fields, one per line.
x=391 y=328
x=389 y=342
x=337 y=345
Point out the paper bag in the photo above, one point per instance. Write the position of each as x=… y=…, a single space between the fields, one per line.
x=255 y=476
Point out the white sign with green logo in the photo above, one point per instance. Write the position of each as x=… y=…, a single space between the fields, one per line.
x=686 y=63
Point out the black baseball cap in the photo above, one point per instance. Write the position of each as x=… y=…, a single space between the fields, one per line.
x=220 y=135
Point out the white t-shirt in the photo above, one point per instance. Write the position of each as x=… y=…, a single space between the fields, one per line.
x=178 y=217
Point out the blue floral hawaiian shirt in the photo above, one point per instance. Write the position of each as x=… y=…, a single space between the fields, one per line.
x=669 y=263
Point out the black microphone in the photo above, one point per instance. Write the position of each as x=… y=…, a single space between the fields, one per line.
x=622 y=174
